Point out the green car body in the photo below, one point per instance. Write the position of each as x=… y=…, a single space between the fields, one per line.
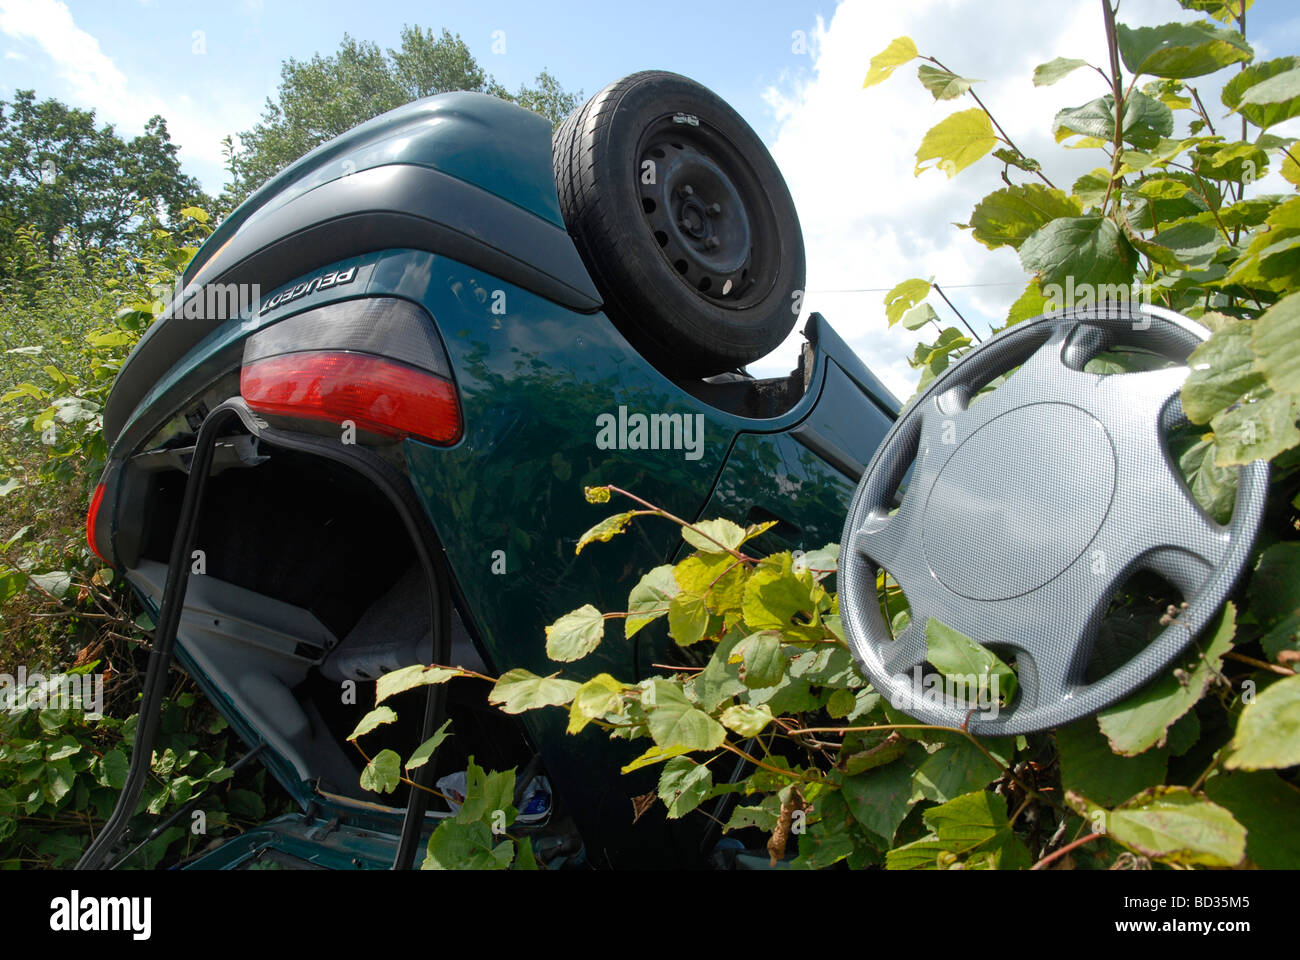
x=450 y=204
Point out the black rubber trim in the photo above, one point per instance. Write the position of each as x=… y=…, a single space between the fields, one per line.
x=383 y=208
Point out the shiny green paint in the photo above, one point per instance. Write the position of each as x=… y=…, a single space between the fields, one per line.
x=533 y=377
x=533 y=381
x=478 y=138
x=318 y=841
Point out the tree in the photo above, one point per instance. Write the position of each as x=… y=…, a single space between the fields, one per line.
x=323 y=97
x=59 y=170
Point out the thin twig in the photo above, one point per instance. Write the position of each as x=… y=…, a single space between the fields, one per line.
x=1053 y=857
x=939 y=290
x=993 y=120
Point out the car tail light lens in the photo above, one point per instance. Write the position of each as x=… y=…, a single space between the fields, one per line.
x=92 y=522
x=378 y=395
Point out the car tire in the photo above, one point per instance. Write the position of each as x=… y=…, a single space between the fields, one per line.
x=684 y=222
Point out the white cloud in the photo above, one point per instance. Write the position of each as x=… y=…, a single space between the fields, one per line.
x=848 y=156
x=93 y=80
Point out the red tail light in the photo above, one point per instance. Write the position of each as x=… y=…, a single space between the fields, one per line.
x=378 y=395
x=92 y=521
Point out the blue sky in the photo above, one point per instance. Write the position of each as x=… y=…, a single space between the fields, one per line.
x=847 y=153
x=737 y=49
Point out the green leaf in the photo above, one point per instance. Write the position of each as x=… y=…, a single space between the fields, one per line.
x=1222 y=372
x=1162 y=188
x=841 y=703
x=1275 y=343
x=425 y=750
x=407 y=678
x=24 y=390
x=688 y=618
x=1268 y=730
x=65 y=746
x=1190 y=242
x=880 y=797
x=246 y=804
x=763 y=659
x=59 y=778
x=954 y=769
x=720 y=678
x=1172 y=825
x=1028 y=305
x=829 y=839
x=1180 y=50
x=1259 y=429
x=1280 y=88
x=1214 y=487
x=525 y=857
x=718 y=577
x=56 y=582
x=383 y=773
x=596 y=494
x=195 y=213
x=1089 y=249
x=824 y=560
x=455 y=845
x=113 y=768
x=919 y=316
x=900 y=51
x=1268 y=807
x=1275 y=596
x=1017 y=159
x=957 y=656
x=1146 y=121
x=649 y=599
x=1008 y=216
x=655 y=754
x=675 y=722
x=756 y=816
x=683 y=785
x=972 y=829
x=777 y=598
x=488 y=796
x=864 y=750
x=1272 y=259
x=1089 y=768
x=606 y=530
x=956 y=142
x=943 y=84
x=934 y=357
x=1238 y=162
x=600 y=695
x=748 y=720
x=1225 y=11
x=714 y=536
x=1046 y=74
x=376 y=717
x=519 y=690
x=1263 y=114
x=903 y=297
x=1142 y=720
x=575 y=634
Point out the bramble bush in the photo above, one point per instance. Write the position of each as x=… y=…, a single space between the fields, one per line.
x=67 y=321
x=1199 y=768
